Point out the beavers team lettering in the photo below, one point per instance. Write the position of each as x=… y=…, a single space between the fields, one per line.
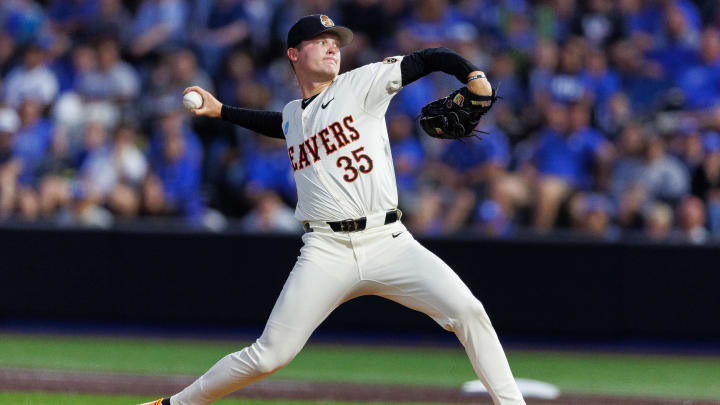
x=332 y=138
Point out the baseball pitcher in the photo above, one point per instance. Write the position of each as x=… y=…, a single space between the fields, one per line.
x=354 y=242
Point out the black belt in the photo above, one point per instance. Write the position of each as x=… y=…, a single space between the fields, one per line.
x=354 y=225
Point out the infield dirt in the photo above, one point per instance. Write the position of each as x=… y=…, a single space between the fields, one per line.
x=154 y=386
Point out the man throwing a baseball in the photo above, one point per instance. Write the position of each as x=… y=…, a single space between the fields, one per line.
x=354 y=242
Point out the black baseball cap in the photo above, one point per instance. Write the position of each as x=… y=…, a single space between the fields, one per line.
x=314 y=25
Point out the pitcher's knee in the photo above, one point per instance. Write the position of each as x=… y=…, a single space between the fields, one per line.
x=472 y=312
x=273 y=360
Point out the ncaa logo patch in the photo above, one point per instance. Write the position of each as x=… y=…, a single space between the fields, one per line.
x=326 y=21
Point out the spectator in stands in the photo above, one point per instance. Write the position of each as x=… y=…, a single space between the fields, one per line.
x=600 y=73
x=56 y=177
x=158 y=24
x=71 y=16
x=9 y=167
x=618 y=114
x=112 y=19
x=431 y=20
x=268 y=168
x=270 y=214
x=490 y=219
x=592 y=215
x=32 y=79
x=223 y=25
x=706 y=180
x=240 y=71
x=83 y=63
x=658 y=220
x=700 y=82
x=31 y=144
x=112 y=79
x=675 y=49
x=544 y=67
x=408 y=160
x=112 y=173
x=603 y=81
x=663 y=176
x=8 y=54
x=504 y=71
x=626 y=186
x=596 y=152
x=691 y=221
x=566 y=155
x=599 y=23
x=642 y=79
x=173 y=184
x=567 y=84
x=23 y=19
x=369 y=18
x=556 y=21
x=519 y=35
x=686 y=143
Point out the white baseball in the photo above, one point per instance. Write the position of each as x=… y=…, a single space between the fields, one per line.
x=192 y=100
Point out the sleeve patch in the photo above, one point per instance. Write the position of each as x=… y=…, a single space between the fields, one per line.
x=388 y=61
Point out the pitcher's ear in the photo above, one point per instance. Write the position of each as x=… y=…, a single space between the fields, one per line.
x=292 y=54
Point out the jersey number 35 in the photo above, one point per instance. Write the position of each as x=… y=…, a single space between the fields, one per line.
x=348 y=164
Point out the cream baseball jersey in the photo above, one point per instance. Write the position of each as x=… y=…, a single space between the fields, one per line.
x=338 y=145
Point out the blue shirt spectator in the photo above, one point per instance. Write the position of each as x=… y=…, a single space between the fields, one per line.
x=158 y=23
x=32 y=143
x=490 y=148
x=268 y=168
x=407 y=151
x=700 y=82
x=71 y=15
x=179 y=172
x=23 y=20
x=223 y=25
x=432 y=20
x=601 y=81
x=568 y=157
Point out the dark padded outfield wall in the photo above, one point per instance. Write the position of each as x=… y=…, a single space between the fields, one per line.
x=535 y=288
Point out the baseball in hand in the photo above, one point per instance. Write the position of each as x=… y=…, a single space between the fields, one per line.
x=192 y=100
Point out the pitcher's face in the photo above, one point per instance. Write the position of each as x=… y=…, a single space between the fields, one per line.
x=319 y=56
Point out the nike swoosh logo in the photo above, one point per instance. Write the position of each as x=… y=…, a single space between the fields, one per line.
x=327 y=104
x=395 y=235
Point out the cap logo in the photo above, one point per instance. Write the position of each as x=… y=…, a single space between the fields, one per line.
x=326 y=21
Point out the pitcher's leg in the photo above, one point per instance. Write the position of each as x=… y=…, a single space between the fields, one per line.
x=416 y=278
x=315 y=287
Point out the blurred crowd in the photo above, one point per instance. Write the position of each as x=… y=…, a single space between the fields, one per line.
x=608 y=126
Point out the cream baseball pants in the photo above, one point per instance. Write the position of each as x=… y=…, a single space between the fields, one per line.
x=334 y=267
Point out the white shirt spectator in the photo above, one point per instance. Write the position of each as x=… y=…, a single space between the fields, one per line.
x=38 y=83
x=119 y=82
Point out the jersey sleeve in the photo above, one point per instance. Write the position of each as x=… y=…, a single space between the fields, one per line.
x=377 y=83
x=266 y=123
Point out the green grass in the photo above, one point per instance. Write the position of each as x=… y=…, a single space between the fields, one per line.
x=677 y=376
x=34 y=398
